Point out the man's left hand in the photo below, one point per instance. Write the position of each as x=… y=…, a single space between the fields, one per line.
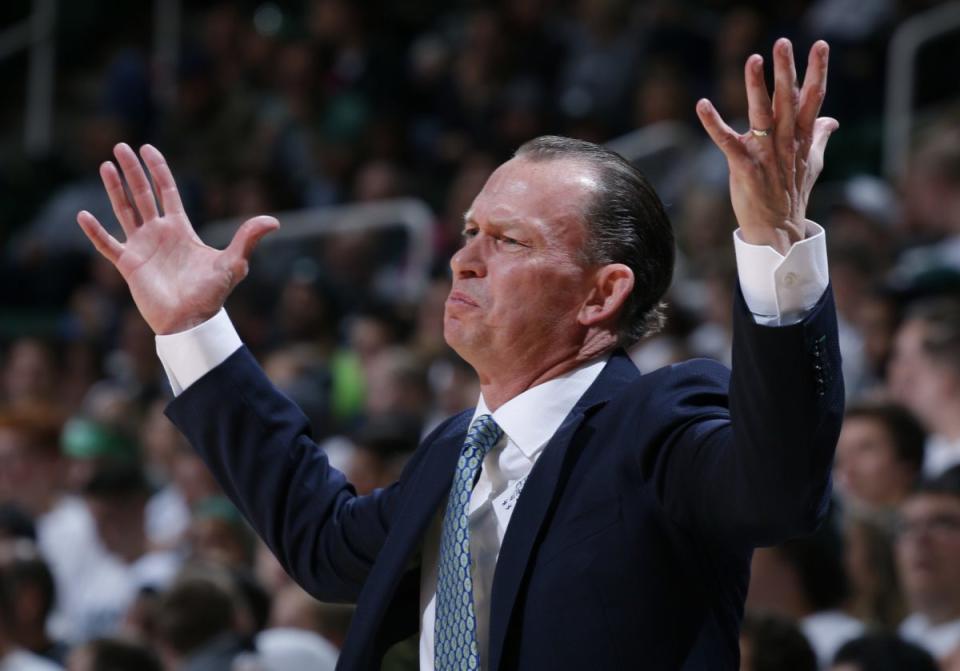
x=774 y=165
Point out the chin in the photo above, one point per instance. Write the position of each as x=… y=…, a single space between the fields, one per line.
x=461 y=339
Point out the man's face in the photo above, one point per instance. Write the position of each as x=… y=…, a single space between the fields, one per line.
x=29 y=475
x=916 y=379
x=519 y=281
x=867 y=467
x=928 y=548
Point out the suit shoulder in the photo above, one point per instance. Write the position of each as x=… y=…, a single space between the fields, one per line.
x=693 y=374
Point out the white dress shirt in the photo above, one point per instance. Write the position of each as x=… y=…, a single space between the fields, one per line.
x=778 y=290
x=940 y=640
x=940 y=454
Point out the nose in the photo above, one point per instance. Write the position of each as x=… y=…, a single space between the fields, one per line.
x=469 y=260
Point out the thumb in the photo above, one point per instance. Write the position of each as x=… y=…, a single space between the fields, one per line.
x=237 y=254
x=823 y=128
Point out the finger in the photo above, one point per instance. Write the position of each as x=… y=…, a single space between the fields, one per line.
x=104 y=243
x=124 y=211
x=162 y=179
x=722 y=135
x=759 y=108
x=784 y=100
x=814 y=87
x=137 y=180
x=823 y=128
x=237 y=254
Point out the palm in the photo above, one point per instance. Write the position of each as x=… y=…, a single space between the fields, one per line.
x=175 y=279
x=168 y=275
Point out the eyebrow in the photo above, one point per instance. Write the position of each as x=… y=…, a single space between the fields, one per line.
x=495 y=223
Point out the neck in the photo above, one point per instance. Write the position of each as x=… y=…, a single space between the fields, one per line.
x=34 y=639
x=948 y=425
x=133 y=551
x=503 y=381
x=940 y=611
x=6 y=645
x=134 y=545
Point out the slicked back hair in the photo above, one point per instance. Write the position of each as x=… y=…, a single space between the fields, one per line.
x=626 y=223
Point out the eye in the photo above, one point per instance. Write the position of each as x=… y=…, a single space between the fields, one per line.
x=468 y=233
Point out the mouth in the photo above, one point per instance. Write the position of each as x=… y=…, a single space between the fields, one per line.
x=460 y=298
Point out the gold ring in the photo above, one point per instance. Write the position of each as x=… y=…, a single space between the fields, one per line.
x=761 y=132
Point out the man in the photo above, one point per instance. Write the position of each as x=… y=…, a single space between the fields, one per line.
x=882 y=651
x=613 y=519
x=928 y=558
x=13 y=657
x=32 y=593
x=925 y=377
x=116 y=496
x=879 y=455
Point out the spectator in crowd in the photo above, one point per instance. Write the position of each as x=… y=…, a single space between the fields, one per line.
x=191 y=483
x=303 y=632
x=293 y=608
x=12 y=656
x=931 y=189
x=113 y=654
x=879 y=455
x=219 y=535
x=774 y=643
x=29 y=373
x=380 y=450
x=167 y=511
x=196 y=625
x=882 y=652
x=32 y=471
x=282 y=649
x=804 y=580
x=33 y=476
x=876 y=596
x=33 y=595
x=928 y=556
x=925 y=377
x=117 y=496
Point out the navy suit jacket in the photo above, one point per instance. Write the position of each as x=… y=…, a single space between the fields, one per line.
x=630 y=545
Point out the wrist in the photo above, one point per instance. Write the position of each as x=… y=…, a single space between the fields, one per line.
x=183 y=325
x=779 y=238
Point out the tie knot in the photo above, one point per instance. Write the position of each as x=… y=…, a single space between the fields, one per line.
x=484 y=433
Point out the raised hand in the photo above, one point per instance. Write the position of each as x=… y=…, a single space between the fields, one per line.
x=175 y=279
x=774 y=165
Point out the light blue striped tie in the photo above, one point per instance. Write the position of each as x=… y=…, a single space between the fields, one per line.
x=455 y=627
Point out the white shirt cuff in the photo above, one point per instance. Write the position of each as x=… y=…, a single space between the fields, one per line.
x=780 y=290
x=189 y=355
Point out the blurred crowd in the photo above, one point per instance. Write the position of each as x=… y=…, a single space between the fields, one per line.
x=117 y=549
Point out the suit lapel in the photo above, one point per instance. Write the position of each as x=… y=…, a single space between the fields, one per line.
x=537 y=498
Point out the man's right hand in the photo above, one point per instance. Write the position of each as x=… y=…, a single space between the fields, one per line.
x=175 y=279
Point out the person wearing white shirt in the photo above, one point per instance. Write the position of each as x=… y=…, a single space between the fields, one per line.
x=928 y=561
x=925 y=377
x=567 y=255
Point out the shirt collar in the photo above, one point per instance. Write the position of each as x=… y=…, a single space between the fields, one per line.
x=531 y=418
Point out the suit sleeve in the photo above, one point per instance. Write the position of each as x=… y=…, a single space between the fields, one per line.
x=747 y=455
x=257 y=444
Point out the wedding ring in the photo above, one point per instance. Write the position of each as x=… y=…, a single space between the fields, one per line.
x=761 y=132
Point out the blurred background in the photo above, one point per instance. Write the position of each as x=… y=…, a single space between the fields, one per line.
x=367 y=128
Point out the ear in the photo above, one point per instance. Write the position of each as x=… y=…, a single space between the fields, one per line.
x=612 y=285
